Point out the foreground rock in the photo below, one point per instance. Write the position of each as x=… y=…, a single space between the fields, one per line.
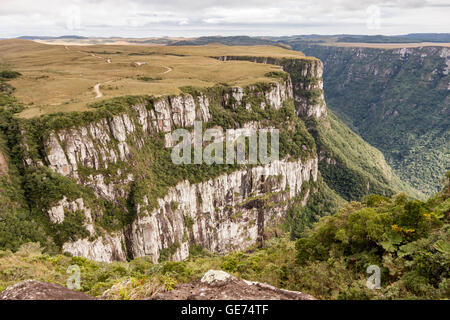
x=219 y=285
x=36 y=290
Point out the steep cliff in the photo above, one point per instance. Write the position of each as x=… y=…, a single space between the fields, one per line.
x=106 y=185
x=307 y=82
x=397 y=100
x=349 y=165
x=101 y=183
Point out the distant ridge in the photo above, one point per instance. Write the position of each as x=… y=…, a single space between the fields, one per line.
x=230 y=41
x=268 y=40
x=408 y=38
x=51 y=38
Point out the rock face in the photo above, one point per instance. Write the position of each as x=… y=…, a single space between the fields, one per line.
x=105 y=248
x=223 y=214
x=36 y=290
x=228 y=212
x=374 y=90
x=306 y=80
x=219 y=285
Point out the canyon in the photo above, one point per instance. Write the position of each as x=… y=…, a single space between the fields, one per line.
x=227 y=212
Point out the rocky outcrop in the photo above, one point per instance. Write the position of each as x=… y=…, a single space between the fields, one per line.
x=105 y=248
x=306 y=79
x=228 y=213
x=36 y=290
x=275 y=96
x=219 y=285
x=445 y=53
x=107 y=141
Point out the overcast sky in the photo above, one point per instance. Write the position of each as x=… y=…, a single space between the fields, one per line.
x=141 y=18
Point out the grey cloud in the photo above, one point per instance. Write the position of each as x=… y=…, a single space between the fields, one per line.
x=180 y=17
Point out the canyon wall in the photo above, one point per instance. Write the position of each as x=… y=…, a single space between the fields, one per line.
x=112 y=164
x=397 y=100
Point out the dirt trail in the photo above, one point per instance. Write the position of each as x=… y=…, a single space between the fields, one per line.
x=107 y=60
x=97 y=91
x=167 y=71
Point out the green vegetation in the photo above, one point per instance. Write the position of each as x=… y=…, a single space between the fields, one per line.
x=349 y=165
x=167 y=253
x=408 y=239
x=67 y=81
x=277 y=74
x=27 y=192
x=323 y=201
x=150 y=164
x=149 y=79
x=396 y=102
x=409 y=38
x=7 y=74
x=230 y=41
x=17 y=224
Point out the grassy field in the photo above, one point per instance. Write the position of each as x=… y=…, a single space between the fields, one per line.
x=63 y=78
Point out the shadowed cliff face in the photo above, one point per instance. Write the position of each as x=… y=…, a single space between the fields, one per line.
x=397 y=100
x=116 y=194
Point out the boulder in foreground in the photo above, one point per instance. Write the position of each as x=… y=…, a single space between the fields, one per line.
x=36 y=290
x=219 y=285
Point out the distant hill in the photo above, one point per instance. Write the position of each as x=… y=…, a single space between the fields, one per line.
x=51 y=38
x=355 y=38
x=409 y=38
x=230 y=41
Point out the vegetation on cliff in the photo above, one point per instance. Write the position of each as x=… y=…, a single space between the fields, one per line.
x=349 y=165
x=154 y=173
x=408 y=239
x=150 y=163
x=397 y=100
x=379 y=230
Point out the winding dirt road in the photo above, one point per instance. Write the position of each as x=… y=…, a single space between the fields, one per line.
x=97 y=91
x=167 y=71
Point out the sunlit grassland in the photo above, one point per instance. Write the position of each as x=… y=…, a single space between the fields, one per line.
x=62 y=78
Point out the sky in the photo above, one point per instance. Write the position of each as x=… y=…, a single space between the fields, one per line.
x=192 y=18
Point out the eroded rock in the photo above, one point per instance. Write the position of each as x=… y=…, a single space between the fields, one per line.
x=219 y=285
x=37 y=290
